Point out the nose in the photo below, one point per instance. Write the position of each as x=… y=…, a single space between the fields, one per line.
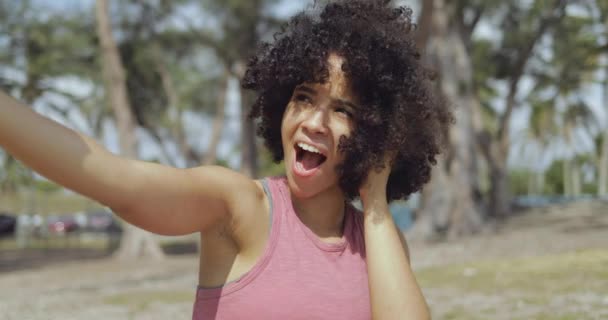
x=316 y=122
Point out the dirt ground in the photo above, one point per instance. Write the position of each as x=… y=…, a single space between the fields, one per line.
x=555 y=261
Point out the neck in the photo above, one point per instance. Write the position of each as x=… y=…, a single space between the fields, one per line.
x=322 y=213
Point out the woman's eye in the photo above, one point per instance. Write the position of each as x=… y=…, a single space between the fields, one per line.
x=344 y=111
x=303 y=98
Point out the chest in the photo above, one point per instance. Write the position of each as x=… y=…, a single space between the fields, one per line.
x=299 y=293
x=295 y=282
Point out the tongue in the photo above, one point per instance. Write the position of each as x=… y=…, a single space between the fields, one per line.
x=310 y=160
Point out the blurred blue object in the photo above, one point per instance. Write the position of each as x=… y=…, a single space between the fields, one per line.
x=402 y=214
x=536 y=201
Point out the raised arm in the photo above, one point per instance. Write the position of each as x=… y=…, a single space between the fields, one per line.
x=157 y=198
x=394 y=291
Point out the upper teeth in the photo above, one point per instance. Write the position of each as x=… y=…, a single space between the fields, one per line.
x=308 y=148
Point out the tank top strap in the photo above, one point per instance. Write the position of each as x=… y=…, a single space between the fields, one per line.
x=356 y=230
x=277 y=189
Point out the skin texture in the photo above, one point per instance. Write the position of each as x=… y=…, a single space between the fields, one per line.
x=320 y=115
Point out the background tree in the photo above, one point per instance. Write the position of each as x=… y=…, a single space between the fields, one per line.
x=450 y=202
x=242 y=25
x=602 y=139
x=560 y=79
x=524 y=27
x=135 y=241
x=36 y=51
x=156 y=54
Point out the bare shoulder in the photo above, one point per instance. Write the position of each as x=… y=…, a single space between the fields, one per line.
x=251 y=223
x=246 y=203
x=236 y=188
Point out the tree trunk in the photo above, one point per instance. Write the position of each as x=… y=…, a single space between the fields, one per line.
x=602 y=189
x=190 y=155
x=576 y=180
x=566 y=177
x=536 y=183
x=425 y=23
x=135 y=242
x=540 y=182
x=603 y=165
x=448 y=201
x=218 y=123
x=531 y=184
x=500 y=196
x=175 y=113
x=432 y=217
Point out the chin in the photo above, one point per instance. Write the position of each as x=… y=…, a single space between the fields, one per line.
x=299 y=190
x=309 y=188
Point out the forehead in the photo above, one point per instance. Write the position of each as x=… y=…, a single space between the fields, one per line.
x=337 y=84
x=337 y=78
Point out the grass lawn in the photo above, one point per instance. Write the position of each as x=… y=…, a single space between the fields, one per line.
x=138 y=301
x=564 y=286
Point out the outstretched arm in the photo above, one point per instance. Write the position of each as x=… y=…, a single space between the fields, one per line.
x=395 y=294
x=154 y=197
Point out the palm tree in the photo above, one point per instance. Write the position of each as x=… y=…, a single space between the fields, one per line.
x=535 y=144
x=560 y=80
x=602 y=139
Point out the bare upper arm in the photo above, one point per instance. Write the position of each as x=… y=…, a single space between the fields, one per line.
x=173 y=201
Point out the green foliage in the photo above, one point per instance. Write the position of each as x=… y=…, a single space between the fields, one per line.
x=269 y=168
x=40 y=48
x=44 y=46
x=589 y=188
x=555 y=178
x=243 y=23
x=150 y=46
x=574 y=57
x=519 y=180
x=565 y=57
x=484 y=69
x=13 y=175
x=45 y=186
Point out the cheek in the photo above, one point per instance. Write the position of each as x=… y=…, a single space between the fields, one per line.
x=344 y=129
x=288 y=123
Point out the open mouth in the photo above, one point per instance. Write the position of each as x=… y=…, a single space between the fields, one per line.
x=308 y=158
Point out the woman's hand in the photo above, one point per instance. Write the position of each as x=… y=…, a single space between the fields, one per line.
x=373 y=190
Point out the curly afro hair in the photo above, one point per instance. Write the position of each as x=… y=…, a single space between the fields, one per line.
x=401 y=112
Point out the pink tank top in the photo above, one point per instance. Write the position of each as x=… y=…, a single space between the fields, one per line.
x=298 y=276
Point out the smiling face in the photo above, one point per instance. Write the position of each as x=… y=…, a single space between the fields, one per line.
x=315 y=119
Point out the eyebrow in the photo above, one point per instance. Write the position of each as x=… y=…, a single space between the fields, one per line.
x=312 y=91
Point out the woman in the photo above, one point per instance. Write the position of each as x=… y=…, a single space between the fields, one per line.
x=345 y=102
